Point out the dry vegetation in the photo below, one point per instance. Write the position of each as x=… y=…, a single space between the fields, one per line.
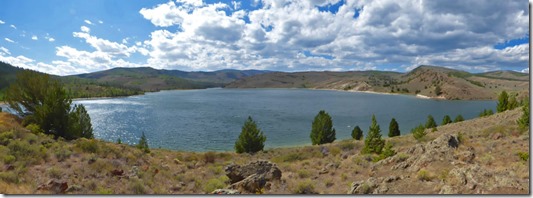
x=30 y=161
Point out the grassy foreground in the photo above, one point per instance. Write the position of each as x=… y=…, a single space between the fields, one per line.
x=30 y=160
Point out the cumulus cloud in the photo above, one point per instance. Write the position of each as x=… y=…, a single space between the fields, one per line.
x=13 y=26
x=2 y=22
x=9 y=40
x=34 y=38
x=101 y=22
x=88 y=22
x=4 y=51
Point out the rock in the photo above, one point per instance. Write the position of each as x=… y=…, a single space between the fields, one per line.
x=265 y=169
x=9 y=167
x=178 y=187
x=117 y=172
x=466 y=156
x=392 y=178
x=225 y=192
x=324 y=151
x=496 y=136
x=177 y=161
x=252 y=177
x=447 y=190
x=56 y=186
x=74 y=188
x=366 y=187
x=327 y=168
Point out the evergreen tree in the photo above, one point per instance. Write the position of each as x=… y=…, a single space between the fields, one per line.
x=322 y=130
x=438 y=90
x=523 y=121
x=502 y=102
x=419 y=132
x=446 y=120
x=459 y=118
x=430 y=123
x=42 y=100
x=143 y=144
x=373 y=141
x=251 y=139
x=394 y=129
x=512 y=103
x=357 y=133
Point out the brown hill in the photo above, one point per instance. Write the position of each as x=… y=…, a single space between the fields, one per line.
x=424 y=80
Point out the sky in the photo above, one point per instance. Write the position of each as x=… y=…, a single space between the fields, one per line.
x=73 y=37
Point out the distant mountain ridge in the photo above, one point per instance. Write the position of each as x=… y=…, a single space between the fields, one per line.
x=425 y=81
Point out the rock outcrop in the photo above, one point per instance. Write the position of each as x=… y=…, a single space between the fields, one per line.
x=252 y=177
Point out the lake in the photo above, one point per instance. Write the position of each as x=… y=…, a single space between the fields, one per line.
x=211 y=119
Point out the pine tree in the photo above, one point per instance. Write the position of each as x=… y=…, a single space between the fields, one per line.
x=251 y=139
x=143 y=144
x=459 y=118
x=512 y=103
x=357 y=133
x=430 y=123
x=502 y=102
x=373 y=141
x=523 y=121
x=394 y=129
x=322 y=130
x=446 y=120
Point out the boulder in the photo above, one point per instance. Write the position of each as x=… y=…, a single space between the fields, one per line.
x=252 y=177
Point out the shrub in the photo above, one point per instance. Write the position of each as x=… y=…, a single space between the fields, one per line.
x=209 y=157
x=54 y=172
x=334 y=151
x=23 y=151
x=9 y=159
x=419 y=132
x=88 y=146
x=35 y=129
x=430 y=123
x=446 y=120
x=143 y=144
x=394 y=129
x=486 y=112
x=373 y=141
x=6 y=137
x=502 y=102
x=424 y=175
x=524 y=156
x=62 y=154
x=305 y=187
x=137 y=187
x=9 y=177
x=459 y=118
x=215 y=183
x=251 y=139
x=303 y=173
x=357 y=133
x=347 y=145
x=322 y=130
x=512 y=103
x=387 y=152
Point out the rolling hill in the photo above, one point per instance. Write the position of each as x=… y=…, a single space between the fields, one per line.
x=423 y=81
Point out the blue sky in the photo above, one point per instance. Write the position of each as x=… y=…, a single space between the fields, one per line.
x=72 y=37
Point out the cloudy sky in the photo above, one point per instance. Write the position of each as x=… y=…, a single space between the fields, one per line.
x=72 y=37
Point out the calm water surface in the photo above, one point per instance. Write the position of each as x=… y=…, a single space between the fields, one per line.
x=211 y=119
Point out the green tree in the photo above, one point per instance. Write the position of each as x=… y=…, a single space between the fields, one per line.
x=419 y=132
x=43 y=101
x=322 y=130
x=357 y=133
x=458 y=118
x=446 y=120
x=143 y=144
x=373 y=141
x=523 y=121
x=430 y=123
x=502 y=102
x=512 y=103
x=438 y=90
x=486 y=112
x=251 y=139
x=394 y=129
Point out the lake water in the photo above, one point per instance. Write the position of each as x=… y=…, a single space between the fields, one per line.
x=211 y=119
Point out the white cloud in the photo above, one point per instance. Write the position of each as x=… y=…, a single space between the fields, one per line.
x=51 y=39
x=88 y=22
x=101 y=22
x=104 y=45
x=2 y=22
x=526 y=70
x=85 y=29
x=13 y=26
x=34 y=38
x=9 y=40
x=4 y=51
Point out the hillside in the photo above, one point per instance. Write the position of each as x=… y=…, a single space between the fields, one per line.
x=424 y=80
x=132 y=81
x=480 y=156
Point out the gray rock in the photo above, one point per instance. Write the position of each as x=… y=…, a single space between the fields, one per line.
x=225 y=192
x=447 y=190
x=252 y=177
